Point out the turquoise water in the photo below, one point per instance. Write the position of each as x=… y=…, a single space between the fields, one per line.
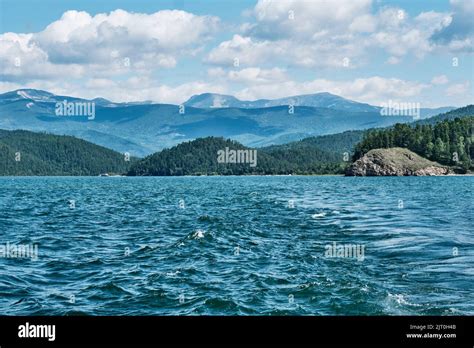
x=238 y=246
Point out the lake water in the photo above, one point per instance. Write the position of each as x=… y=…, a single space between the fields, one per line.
x=237 y=246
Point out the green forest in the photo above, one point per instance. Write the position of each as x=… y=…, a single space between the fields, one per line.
x=449 y=142
x=199 y=157
x=29 y=153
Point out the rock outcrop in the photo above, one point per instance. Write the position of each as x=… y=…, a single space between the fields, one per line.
x=395 y=161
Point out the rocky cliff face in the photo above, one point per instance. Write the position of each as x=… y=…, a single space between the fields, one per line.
x=395 y=162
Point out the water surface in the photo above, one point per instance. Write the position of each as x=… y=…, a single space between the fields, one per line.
x=237 y=245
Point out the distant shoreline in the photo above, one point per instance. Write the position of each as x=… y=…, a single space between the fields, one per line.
x=208 y=176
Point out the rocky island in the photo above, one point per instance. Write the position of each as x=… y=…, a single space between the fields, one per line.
x=395 y=161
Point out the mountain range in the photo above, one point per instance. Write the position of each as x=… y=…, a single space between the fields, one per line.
x=31 y=153
x=317 y=100
x=141 y=128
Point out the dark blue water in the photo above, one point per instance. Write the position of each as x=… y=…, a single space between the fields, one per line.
x=238 y=245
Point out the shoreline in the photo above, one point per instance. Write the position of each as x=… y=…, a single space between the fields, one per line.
x=208 y=176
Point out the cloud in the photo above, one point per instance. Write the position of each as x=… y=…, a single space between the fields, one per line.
x=21 y=60
x=243 y=51
x=117 y=55
x=247 y=51
x=299 y=33
x=257 y=75
x=250 y=76
x=459 y=34
x=81 y=45
x=325 y=33
x=401 y=35
x=458 y=89
x=300 y=19
x=393 y=60
x=440 y=80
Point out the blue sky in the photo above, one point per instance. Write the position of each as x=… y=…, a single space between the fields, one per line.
x=366 y=50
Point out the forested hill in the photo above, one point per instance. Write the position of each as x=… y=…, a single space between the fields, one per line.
x=28 y=153
x=334 y=145
x=449 y=142
x=200 y=157
x=339 y=143
x=450 y=115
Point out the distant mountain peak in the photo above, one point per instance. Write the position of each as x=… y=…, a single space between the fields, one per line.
x=26 y=94
x=212 y=100
x=32 y=90
x=103 y=100
x=34 y=94
x=38 y=95
x=321 y=99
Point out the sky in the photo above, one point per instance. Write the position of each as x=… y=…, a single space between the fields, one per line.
x=417 y=51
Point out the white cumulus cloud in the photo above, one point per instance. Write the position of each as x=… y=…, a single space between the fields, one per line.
x=323 y=33
x=79 y=44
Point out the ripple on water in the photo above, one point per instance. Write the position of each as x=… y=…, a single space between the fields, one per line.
x=240 y=246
